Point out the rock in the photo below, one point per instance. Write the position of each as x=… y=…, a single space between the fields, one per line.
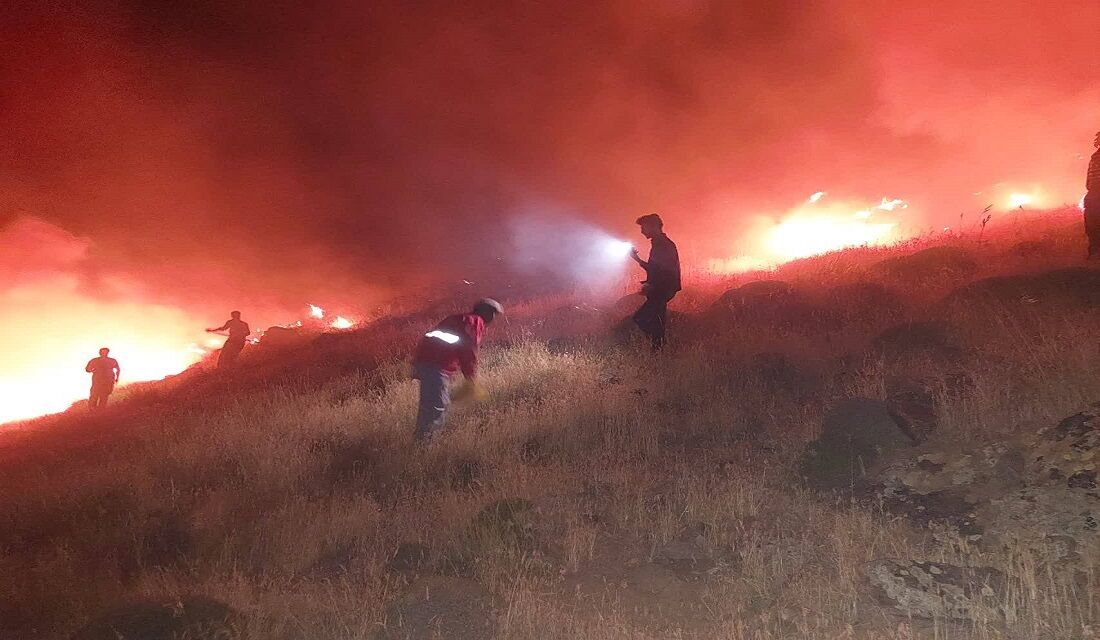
x=915 y=412
x=1025 y=490
x=777 y=373
x=854 y=434
x=949 y=486
x=1070 y=450
x=1033 y=514
x=1073 y=288
x=195 y=618
x=864 y=301
x=409 y=557
x=934 y=339
x=937 y=591
x=440 y=607
x=686 y=556
x=773 y=302
x=1060 y=495
x=278 y=337
x=332 y=562
x=929 y=266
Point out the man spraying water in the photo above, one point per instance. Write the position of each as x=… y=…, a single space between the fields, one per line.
x=662 y=279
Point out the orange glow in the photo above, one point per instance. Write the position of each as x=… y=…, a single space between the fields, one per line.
x=342 y=323
x=316 y=312
x=51 y=330
x=805 y=236
x=1017 y=200
x=813 y=228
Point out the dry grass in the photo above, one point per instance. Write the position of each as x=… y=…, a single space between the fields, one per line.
x=288 y=501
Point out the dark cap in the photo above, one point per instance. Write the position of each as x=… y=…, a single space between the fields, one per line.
x=650 y=218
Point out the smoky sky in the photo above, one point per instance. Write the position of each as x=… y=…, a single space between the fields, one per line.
x=283 y=150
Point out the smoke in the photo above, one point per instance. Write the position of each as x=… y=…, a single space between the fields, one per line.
x=257 y=155
x=564 y=250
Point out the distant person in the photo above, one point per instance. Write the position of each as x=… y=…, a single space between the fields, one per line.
x=662 y=279
x=452 y=345
x=238 y=333
x=105 y=372
x=1092 y=202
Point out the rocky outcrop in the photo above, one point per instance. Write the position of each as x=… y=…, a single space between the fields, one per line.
x=1036 y=489
x=854 y=435
x=198 y=618
x=937 y=591
x=441 y=607
x=929 y=265
x=1073 y=288
x=925 y=340
x=776 y=303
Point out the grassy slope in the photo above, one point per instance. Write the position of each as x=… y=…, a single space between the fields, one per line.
x=286 y=492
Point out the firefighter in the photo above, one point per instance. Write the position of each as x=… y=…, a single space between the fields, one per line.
x=1092 y=202
x=451 y=346
x=662 y=279
x=105 y=372
x=238 y=333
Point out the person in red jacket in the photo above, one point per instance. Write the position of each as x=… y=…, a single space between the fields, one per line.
x=451 y=346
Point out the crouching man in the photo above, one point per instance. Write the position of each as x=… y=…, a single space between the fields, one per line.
x=452 y=345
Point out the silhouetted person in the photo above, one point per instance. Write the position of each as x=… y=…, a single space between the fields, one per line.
x=105 y=372
x=1092 y=202
x=452 y=345
x=662 y=279
x=238 y=333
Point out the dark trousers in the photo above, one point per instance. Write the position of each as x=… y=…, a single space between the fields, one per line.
x=435 y=397
x=228 y=355
x=1092 y=223
x=97 y=399
x=652 y=317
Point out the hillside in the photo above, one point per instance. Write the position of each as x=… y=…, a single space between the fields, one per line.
x=846 y=447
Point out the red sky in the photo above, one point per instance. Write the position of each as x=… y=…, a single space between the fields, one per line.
x=257 y=153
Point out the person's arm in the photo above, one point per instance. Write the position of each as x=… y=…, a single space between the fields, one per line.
x=221 y=328
x=118 y=371
x=468 y=348
x=90 y=367
x=1092 y=180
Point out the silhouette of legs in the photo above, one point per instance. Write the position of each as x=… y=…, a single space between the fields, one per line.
x=227 y=357
x=1092 y=226
x=435 y=396
x=97 y=399
x=652 y=317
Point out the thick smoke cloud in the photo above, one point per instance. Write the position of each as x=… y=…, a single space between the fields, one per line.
x=265 y=153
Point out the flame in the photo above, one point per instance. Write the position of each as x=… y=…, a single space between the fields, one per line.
x=1019 y=200
x=805 y=236
x=316 y=312
x=813 y=228
x=342 y=323
x=51 y=330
